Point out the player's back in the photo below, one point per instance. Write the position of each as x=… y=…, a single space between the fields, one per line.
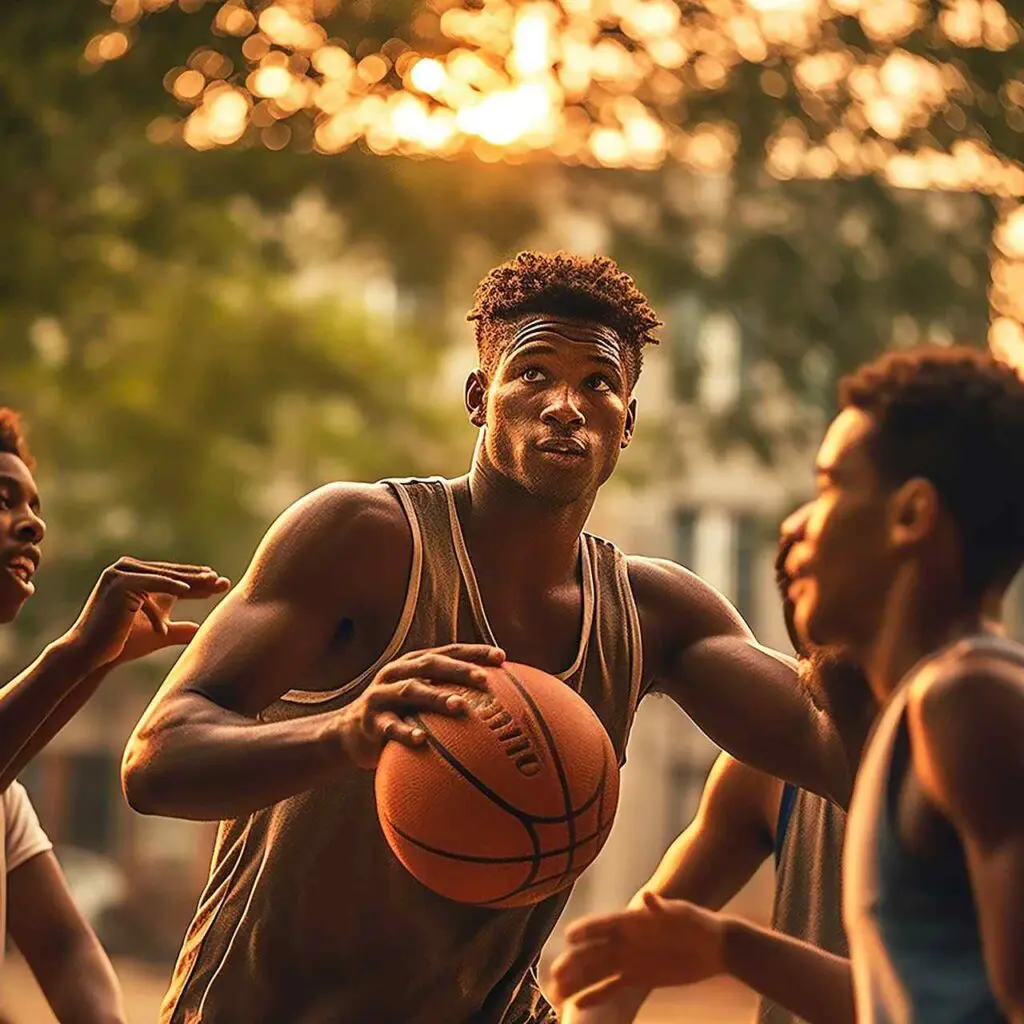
x=308 y=918
x=911 y=917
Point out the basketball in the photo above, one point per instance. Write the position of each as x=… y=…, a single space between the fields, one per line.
x=507 y=804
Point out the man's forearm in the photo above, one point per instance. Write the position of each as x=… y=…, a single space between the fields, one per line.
x=84 y=988
x=803 y=979
x=35 y=705
x=201 y=762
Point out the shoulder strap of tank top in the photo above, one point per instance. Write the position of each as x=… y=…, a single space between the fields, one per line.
x=996 y=644
x=786 y=804
x=476 y=601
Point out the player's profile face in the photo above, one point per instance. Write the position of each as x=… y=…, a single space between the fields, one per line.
x=21 y=533
x=841 y=564
x=558 y=408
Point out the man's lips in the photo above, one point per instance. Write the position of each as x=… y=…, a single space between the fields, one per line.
x=22 y=565
x=562 y=446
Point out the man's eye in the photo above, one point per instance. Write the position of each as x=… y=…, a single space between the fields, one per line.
x=531 y=375
x=600 y=383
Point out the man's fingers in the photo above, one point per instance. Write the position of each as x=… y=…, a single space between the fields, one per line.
x=481 y=654
x=592 y=929
x=181 y=632
x=436 y=668
x=155 y=616
x=581 y=967
x=603 y=991
x=389 y=726
x=144 y=583
x=131 y=564
x=419 y=696
x=152 y=583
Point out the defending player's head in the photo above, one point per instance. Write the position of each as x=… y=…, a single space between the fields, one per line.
x=831 y=675
x=560 y=341
x=21 y=528
x=920 y=490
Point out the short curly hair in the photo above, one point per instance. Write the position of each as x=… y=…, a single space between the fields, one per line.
x=562 y=284
x=12 y=438
x=954 y=416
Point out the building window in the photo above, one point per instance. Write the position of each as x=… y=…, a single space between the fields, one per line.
x=91 y=789
x=683 y=323
x=748 y=545
x=686 y=537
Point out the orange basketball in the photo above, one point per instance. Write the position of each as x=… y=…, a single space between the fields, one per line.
x=507 y=804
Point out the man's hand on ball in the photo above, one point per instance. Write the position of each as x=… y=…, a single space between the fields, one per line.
x=418 y=681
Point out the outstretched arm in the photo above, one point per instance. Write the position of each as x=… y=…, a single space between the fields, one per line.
x=127 y=616
x=745 y=697
x=966 y=731
x=726 y=842
x=670 y=942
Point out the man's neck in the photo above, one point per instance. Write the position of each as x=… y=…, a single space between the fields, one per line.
x=918 y=619
x=515 y=535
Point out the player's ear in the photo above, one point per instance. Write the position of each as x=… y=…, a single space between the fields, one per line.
x=913 y=512
x=627 y=430
x=476 y=397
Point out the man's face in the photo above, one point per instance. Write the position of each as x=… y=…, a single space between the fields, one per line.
x=556 y=408
x=21 y=533
x=843 y=562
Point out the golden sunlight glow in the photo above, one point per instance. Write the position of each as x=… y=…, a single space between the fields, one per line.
x=600 y=82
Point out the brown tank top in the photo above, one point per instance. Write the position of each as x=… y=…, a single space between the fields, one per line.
x=808 y=885
x=308 y=918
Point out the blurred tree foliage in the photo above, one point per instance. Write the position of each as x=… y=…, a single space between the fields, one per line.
x=860 y=151
x=190 y=352
x=155 y=311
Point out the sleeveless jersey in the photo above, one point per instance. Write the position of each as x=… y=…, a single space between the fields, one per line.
x=912 y=922
x=308 y=918
x=807 y=903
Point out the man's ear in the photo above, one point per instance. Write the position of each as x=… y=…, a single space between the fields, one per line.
x=914 y=512
x=476 y=397
x=627 y=432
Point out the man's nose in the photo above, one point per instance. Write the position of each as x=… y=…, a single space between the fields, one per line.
x=564 y=409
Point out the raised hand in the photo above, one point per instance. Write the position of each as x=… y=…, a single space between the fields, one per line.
x=127 y=615
x=418 y=681
x=661 y=943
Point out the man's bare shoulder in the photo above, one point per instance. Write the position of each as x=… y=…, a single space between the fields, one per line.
x=671 y=598
x=338 y=530
x=966 y=717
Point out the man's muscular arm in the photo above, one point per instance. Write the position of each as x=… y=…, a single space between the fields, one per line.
x=200 y=750
x=745 y=697
x=728 y=840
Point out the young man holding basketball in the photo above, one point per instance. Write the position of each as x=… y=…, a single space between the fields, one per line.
x=126 y=617
x=905 y=557
x=361 y=603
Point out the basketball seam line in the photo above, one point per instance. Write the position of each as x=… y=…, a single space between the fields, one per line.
x=559 y=767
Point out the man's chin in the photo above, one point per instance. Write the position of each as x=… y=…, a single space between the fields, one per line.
x=10 y=607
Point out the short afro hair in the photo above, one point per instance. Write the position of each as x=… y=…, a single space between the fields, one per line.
x=954 y=416
x=12 y=439
x=562 y=284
